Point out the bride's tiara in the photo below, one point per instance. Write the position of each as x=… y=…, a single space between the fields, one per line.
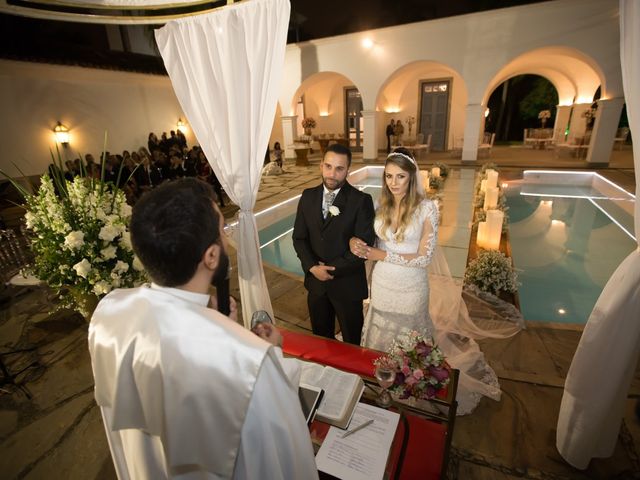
x=399 y=154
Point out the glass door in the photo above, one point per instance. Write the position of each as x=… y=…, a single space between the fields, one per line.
x=353 y=118
x=434 y=112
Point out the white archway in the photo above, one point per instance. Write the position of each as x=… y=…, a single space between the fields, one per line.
x=400 y=96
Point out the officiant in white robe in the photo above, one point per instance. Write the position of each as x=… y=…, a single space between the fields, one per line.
x=185 y=392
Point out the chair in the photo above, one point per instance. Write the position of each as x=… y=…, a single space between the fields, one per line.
x=527 y=138
x=15 y=256
x=487 y=144
x=575 y=145
x=458 y=143
x=621 y=137
x=426 y=434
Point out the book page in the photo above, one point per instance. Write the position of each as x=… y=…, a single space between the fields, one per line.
x=338 y=388
x=362 y=455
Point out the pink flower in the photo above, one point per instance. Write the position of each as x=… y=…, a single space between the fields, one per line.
x=406 y=370
x=423 y=349
x=440 y=373
x=410 y=381
x=418 y=374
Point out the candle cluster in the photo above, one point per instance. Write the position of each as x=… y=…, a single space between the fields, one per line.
x=490 y=231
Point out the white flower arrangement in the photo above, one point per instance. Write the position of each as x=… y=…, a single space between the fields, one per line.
x=334 y=211
x=80 y=239
x=492 y=272
x=544 y=114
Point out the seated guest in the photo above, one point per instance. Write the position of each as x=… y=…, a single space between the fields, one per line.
x=277 y=152
x=147 y=175
x=175 y=168
x=181 y=138
x=153 y=142
x=186 y=392
x=206 y=174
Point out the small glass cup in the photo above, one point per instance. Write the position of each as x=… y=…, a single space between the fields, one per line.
x=385 y=374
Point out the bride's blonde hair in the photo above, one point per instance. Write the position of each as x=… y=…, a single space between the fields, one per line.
x=409 y=203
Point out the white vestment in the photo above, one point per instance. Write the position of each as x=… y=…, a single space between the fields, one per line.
x=187 y=393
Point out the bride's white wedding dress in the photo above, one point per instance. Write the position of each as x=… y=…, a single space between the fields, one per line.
x=400 y=302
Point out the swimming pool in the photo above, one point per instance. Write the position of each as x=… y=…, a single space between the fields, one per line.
x=567 y=235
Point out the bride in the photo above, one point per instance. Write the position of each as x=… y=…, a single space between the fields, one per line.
x=406 y=226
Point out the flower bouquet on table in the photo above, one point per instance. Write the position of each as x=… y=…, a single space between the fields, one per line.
x=308 y=122
x=80 y=239
x=421 y=370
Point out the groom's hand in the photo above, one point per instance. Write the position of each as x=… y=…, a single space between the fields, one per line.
x=321 y=272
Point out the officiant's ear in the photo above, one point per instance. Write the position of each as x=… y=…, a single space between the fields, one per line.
x=211 y=256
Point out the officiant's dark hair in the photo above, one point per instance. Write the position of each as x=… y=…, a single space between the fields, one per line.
x=171 y=228
x=340 y=150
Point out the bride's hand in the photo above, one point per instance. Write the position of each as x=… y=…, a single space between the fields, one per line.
x=358 y=247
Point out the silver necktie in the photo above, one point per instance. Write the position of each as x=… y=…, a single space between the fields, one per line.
x=328 y=201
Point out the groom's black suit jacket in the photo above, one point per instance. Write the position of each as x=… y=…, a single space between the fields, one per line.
x=318 y=240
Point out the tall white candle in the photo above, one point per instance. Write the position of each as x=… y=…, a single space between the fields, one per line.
x=483 y=185
x=492 y=178
x=494 y=229
x=481 y=238
x=491 y=198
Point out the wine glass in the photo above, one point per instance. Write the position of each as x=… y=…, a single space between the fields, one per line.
x=385 y=374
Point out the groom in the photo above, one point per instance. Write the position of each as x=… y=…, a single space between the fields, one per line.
x=328 y=216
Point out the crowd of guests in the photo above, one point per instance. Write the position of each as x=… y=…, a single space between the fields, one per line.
x=142 y=170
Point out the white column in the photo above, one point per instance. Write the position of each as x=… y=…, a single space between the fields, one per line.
x=604 y=130
x=289 y=129
x=370 y=146
x=578 y=125
x=563 y=112
x=475 y=115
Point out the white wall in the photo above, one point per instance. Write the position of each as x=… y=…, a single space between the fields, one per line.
x=34 y=97
x=478 y=46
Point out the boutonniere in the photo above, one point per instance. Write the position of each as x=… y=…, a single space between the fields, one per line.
x=334 y=211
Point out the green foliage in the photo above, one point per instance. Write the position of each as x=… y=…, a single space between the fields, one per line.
x=492 y=272
x=543 y=96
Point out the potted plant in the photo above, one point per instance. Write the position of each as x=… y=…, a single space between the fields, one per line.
x=492 y=272
x=80 y=238
x=308 y=124
x=544 y=115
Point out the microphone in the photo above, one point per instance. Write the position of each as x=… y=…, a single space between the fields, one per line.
x=260 y=316
x=222 y=295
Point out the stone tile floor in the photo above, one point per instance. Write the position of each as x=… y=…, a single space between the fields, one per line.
x=58 y=432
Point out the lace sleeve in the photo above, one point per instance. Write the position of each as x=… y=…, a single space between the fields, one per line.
x=428 y=241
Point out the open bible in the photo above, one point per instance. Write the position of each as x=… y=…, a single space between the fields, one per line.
x=342 y=391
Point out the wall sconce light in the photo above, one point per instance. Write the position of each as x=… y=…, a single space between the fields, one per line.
x=61 y=133
x=392 y=110
x=324 y=114
x=181 y=126
x=367 y=43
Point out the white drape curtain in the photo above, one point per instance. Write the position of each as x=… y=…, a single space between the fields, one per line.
x=598 y=381
x=226 y=69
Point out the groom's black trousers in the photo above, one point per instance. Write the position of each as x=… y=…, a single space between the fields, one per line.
x=324 y=310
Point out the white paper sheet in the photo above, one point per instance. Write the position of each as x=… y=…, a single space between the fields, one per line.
x=362 y=455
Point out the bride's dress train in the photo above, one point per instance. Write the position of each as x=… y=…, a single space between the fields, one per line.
x=408 y=296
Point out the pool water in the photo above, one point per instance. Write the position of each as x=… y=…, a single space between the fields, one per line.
x=566 y=249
